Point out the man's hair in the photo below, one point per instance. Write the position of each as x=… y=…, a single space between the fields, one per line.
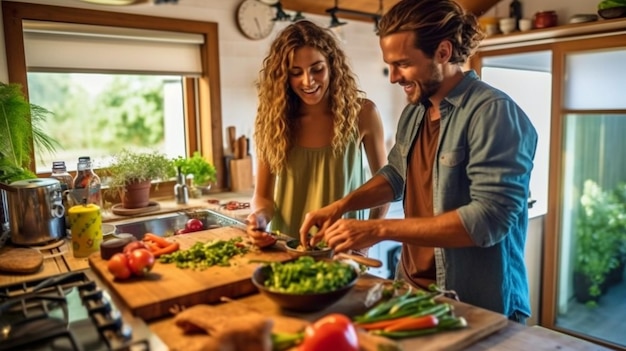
x=433 y=21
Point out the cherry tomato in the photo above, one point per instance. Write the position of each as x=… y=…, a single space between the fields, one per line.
x=140 y=261
x=194 y=225
x=332 y=332
x=134 y=245
x=118 y=266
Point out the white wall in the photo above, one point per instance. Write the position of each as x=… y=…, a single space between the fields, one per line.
x=241 y=58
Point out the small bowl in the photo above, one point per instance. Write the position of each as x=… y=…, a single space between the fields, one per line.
x=525 y=24
x=292 y=248
x=108 y=229
x=507 y=25
x=299 y=302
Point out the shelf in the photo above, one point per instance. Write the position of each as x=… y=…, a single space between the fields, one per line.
x=559 y=33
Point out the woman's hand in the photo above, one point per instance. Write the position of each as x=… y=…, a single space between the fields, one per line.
x=256 y=224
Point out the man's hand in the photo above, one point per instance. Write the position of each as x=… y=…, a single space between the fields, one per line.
x=322 y=219
x=352 y=234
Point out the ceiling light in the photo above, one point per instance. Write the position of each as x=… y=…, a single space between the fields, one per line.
x=280 y=14
x=297 y=17
x=334 y=21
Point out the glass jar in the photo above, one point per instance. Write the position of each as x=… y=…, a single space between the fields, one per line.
x=59 y=172
x=87 y=184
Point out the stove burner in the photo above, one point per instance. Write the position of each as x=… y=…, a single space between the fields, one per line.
x=64 y=312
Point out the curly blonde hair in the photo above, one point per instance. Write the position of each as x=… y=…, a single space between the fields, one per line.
x=278 y=105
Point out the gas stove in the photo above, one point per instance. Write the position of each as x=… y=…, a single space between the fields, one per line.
x=65 y=312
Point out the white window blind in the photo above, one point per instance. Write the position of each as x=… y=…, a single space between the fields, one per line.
x=52 y=46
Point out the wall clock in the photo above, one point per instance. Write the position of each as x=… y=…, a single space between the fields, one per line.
x=255 y=19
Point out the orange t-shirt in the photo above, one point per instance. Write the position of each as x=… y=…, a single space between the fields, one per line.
x=418 y=262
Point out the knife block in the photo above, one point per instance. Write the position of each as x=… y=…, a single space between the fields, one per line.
x=241 y=174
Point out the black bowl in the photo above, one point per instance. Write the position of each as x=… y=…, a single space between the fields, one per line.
x=613 y=12
x=299 y=302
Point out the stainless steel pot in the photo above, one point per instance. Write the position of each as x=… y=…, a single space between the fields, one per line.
x=35 y=211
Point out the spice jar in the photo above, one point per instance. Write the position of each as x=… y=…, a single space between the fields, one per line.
x=545 y=19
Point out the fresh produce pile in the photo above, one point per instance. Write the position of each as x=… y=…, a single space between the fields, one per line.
x=305 y=275
x=135 y=260
x=411 y=314
x=334 y=331
x=203 y=255
x=159 y=245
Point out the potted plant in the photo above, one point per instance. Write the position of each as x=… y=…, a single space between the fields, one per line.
x=618 y=219
x=20 y=128
x=598 y=240
x=202 y=172
x=132 y=173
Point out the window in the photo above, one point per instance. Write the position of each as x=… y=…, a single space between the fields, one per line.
x=97 y=115
x=199 y=101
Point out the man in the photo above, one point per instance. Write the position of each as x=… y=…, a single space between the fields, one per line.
x=461 y=162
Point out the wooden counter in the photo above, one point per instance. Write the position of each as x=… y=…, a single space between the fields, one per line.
x=511 y=337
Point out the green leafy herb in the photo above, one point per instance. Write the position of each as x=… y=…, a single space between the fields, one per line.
x=203 y=255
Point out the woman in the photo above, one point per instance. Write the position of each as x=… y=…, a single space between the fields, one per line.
x=311 y=123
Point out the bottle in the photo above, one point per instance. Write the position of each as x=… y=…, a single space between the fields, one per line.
x=87 y=184
x=515 y=11
x=181 y=191
x=59 y=172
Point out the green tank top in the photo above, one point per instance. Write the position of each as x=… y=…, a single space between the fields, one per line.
x=312 y=179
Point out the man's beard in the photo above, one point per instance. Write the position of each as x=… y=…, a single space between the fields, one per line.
x=427 y=88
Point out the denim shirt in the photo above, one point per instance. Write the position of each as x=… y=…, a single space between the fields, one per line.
x=482 y=170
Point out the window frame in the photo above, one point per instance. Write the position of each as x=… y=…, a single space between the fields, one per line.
x=202 y=100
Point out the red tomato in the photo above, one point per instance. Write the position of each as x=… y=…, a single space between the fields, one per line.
x=194 y=225
x=134 y=245
x=140 y=261
x=332 y=332
x=118 y=266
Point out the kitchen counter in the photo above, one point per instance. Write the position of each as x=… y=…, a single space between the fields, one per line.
x=512 y=337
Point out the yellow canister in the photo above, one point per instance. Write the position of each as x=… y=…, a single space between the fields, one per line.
x=86 y=228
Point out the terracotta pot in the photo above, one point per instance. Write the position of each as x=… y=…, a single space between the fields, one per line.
x=136 y=195
x=546 y=19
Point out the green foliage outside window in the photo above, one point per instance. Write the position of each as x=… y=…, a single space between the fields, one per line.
x=102 y=119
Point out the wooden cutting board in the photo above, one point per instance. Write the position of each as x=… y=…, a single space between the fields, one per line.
x=168 y=287
x=20 y=260
x=481 y=322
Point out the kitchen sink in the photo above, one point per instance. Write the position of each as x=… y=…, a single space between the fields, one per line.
x=168 y=223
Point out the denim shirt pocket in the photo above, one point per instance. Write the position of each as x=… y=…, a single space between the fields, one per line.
x=452 y=168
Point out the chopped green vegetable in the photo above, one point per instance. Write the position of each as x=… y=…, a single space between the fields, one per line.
x=306 y=275
x=203 y=255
